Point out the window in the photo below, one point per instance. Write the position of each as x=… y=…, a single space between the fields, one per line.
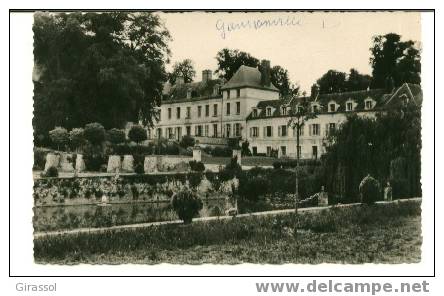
x=188 y=113
x=315 y=108
x=315 y=152
x=199 y=111
x=170 y=134
x=178 y=112
x=284 y=111
x=159 y=132
x=198 y=130
x=169 y=113
x=207 y=128
x=283 y=150
x=368 y=104
x=178 y=133
x=215 y=110
x=268 y=111
x=237 y=129
x=188 y=130
x=283 y=130
x=228 y=108
x=349 y=106
x=237 y=108
x=254 y=112
x=300 y=109
x=254 y=132
x=314 y=129
x=228 y=94
x=207 y=110
x=189 y=93
x=332 y=107
x=228 y=130
x=215 y=130
x=332 y=126
x=238 y=93
x=268 y=131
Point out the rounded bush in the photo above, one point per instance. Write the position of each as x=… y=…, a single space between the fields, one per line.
x=59 y=136
x=187 y=141
x=187 y=205
x=94 y=133
x=116 y=136
x=137 y=134
x=52 y=172
x=369 y=190
x=197 y=166
x=77 y=137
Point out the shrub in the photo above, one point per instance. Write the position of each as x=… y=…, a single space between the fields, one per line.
x=139 y=163
x=197 y=166
x=187 y=141
x=194 y=179
x=187 y=205
x=252 y=188
x=231 y=170
x=52 y=172
x=76 y=138
x=233 y=143
x=94 y=133
x=222 y=151
x=245 y=149
x=59 y=136
x=369 y=190
x=39 y=159
x=137 y=134
x=93 y=158
x=116 y=136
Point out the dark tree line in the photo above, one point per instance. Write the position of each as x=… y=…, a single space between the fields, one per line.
x=97 y=67
x=388 y=148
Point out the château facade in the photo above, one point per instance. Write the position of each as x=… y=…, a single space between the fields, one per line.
x=249 y=107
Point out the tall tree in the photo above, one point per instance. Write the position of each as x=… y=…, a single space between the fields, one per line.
x=332 y=82
x=393 y=59
x=97 y=67
x=280 y=79
x=184 y=69
x=229 y=60
x=357 y=81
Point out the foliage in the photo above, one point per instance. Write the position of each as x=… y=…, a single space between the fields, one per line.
x=116 y=136
x=77 y=137
x=231 y=170
x=370 y=190
x=394 y=62
x=52 y=172
x=364 y=146
x=93 y=157
x=245 y=149
x=184 y=69
x=187 y=205
x=39 y=158
x=335 y=81
x=254 y=187
x=230 y=60
x=197 y=166
x=94 y=133
x=59 y=136
x=106 y=67
x=280 y=78
x=137 y=134
x=187 y=141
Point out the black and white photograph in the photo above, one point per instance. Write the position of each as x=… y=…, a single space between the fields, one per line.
x=227 y=137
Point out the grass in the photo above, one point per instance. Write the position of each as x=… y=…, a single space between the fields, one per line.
x=384 y=233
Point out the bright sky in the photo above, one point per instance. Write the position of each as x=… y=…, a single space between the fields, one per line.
x=306 y=44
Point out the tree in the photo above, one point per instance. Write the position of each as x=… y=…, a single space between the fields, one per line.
x=187 y=205
x=59 y=136
x=106 y=67
x=187 y=141
x=94 y=133
x=184 y=69
x=357 y=81
x=230 y=60
x=137 y=134
x=77 y=138
x=280 y=79
x=332 y=82
x=299 y=114
x=116 y=136
x=394 y=59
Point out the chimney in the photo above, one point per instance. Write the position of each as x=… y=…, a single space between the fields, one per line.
x=206 y=75
x=265 y=73
x=180 y=79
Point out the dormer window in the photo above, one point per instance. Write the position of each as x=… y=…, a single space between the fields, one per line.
x=238 y=93
x=255 y=112
x=284 y=110
x=349 y=106
x=189 y=93
x=315 y=108
x=216 y=90
x=268 y=111
x=369 y=103
x=228 y=94
x=332 y=107
x=405 y=99
x=300 y=109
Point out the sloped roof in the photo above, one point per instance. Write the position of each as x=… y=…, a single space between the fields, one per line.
x=199 y=90
x=247 y=76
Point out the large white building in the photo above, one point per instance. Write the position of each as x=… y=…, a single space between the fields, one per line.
x=249 y=107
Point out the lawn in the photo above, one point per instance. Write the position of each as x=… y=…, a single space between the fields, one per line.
x=383 y=233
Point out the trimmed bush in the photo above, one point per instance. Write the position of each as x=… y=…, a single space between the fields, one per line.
x=77 y=138
x=245 y=149
x=137 y=134
x=187 y=205
x=187 y=141
x=52 y=172
x=369 y=189
x=94 y=158
x=94 y=133
x=254 y=187
x=116 y=136
x=197 y=166
x=59 y=137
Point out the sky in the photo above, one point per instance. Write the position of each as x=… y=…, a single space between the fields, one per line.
x=306 y=44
